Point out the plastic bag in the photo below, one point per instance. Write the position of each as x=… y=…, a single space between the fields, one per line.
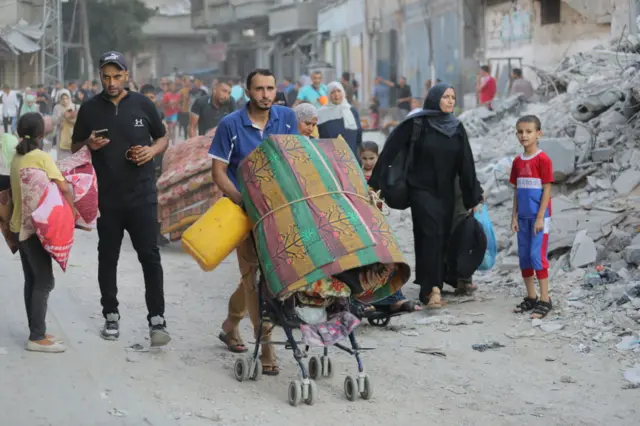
x=492 y=248
x=54 y=223
x=8 y=145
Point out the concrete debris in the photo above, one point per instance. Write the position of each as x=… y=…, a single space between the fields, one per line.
x=583 y=251
x=589 y=106
x=562 y=152
x=633 y=375
x=632 y=254
x=627 y=181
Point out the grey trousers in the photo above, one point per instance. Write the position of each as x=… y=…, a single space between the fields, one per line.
x=38 y=283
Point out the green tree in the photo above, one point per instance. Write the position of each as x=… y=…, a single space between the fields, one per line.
x=117 y=25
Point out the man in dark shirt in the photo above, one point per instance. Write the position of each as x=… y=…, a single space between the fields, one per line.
x=208 y=111
x=292 y=94
x=127 y=197
x=44 y=101
x=403 y=91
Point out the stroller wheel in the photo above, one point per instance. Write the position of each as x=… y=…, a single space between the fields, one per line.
x=379 y=322
x=350 y=388
x=327 y=369
x=257 y=371
x=312 y=393
x=295 y=392
x=241 y=369
x=314 y=367
x=367 y=392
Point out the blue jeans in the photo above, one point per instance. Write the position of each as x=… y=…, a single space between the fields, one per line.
x=391 y=300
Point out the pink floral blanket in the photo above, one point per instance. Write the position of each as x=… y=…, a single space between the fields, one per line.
x=185 y=160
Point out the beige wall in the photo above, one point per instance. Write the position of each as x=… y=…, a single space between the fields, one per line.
x=516 y=32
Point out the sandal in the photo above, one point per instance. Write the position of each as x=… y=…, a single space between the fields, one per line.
x=233 y=344
x=466 y=289
x=542 y=309
x=528 y=304
x=270 y=370
x=435 y=300
x=406 y=306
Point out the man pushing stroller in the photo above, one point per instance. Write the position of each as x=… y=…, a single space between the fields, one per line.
x=237 y=135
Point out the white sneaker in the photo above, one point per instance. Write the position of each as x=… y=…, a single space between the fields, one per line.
x=54 y=347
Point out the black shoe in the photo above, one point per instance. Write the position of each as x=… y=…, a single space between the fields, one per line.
x=111 y=329
x=163 y=241
x=158 y=332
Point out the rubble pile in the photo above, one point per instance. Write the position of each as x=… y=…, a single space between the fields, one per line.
x=590 y=112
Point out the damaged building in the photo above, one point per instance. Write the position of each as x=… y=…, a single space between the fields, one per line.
x=20 y=42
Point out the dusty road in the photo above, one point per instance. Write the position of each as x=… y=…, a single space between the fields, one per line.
x=191 y=382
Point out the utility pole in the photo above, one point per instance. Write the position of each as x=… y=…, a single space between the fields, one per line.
x=428 y=13
x=51 y=45
x=633 y=16
x=86 y=41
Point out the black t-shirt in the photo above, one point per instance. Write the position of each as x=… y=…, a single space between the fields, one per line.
x=134 y=121
x=403 y=92
x=209 y=114
x=43 y=104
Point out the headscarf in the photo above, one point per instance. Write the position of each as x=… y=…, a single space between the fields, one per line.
x=305 y=112
x=61 y=93
x=29 y=104
x=444 y=122
x=335 y=112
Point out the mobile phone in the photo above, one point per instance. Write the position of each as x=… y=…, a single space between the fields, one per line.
x=104 y=133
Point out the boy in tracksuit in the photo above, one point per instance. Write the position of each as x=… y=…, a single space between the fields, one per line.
x=532 y=176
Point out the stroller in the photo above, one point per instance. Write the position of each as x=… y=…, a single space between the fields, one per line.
x=320 y=243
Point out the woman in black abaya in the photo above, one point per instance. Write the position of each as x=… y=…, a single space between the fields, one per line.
x=441 y=153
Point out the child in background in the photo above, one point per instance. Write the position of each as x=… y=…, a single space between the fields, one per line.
x=36 y=261
x=374 y=111
x=368 y=160
x=532 y=175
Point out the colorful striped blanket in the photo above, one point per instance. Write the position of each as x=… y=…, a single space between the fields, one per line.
x=313 y=218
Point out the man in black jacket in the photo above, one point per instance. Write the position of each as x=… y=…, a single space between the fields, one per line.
x=124 y=132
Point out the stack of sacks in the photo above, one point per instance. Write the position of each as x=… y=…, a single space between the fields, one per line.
x=79 y=173
x=185 y=188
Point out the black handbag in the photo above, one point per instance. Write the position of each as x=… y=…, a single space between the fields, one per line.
x=394 y=189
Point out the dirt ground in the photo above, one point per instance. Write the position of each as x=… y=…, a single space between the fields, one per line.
x=541 y=380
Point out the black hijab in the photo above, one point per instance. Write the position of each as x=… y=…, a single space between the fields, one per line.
x=444 y=122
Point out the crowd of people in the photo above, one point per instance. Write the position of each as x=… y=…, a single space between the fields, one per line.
x=125 y=131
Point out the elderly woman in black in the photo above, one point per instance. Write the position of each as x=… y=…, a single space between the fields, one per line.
x=441 y=153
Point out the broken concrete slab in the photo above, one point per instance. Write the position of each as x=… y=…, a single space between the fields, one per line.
x=583 y=251
x=602 y=154
x=582 y=135
x=627 y=181
x=565 y=226
x=632 y=254
x=562 y=152
x=612 y=118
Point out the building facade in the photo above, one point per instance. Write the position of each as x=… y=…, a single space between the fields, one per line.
x=20 y=37
x=293 y=26
x=391 y=39
x=241 y=32
x=540 y=33
x=341 y=39
x=172 y=45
